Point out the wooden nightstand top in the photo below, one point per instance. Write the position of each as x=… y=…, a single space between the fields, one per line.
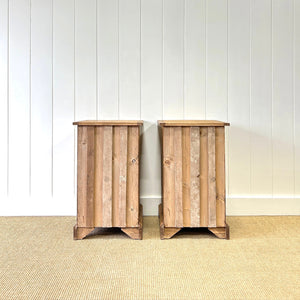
x=109 y=123
x=189 y=123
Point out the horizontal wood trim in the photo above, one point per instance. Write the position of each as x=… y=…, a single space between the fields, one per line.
x=109 y=123
x=192 y=123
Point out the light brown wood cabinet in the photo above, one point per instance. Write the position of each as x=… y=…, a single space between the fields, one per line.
x=108 y=156
x=193 y=176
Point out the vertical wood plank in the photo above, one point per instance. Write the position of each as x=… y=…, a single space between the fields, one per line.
x=195 y=176
x=90 y=176
x=186 y=167
x=41 y=97
x=116 y=176
x=98 y=197
x=85 y=60
x=108 y=57
x=204 y=176
x=19 y=98
x=178 y=176
x=151 y=95
x=82 y=155
x=3 y=95
x=195 y=59
x=297 y=97
x=169 y=177
x=211 y=177
x=261 y=97
x=107 y=175
x=123 y=175
x=173 y=56
x=283 y=98
x=220 y=176
x=85 y=177
x=63 y=101
x=132 y=192
x=129 y=59
x=239 y=96
x=216 y=60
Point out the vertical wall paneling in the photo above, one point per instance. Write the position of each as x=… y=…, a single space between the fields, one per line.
x=297 y=94
x=85 y=60
x=3 y=95
x=108 y=59
x=63 y=100
x=216 y=60
x=261 y=97
x=151 y=94
x=239 y=96
x=173 y=59
x=129 y=59
x=232 y=60
x=19 y=98
x=41 y=97
x=283 y=98
x=194 y=59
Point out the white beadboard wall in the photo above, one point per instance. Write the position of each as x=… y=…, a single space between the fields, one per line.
x=66 y=60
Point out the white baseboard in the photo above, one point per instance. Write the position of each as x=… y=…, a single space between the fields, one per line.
x=236 y=205
x=262 y=205
x=38 y=206
x=242 y=205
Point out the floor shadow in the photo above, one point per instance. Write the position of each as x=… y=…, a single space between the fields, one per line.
x=107 y=233
x=195 y=233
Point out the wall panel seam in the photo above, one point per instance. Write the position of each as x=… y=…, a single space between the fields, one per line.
x=74 y=101
x=118 y=63
x=7 y=107
x=205 y=55
x=227 y=46
x=52 y=104
x=140 y=20
x=163 y=62
x=183 y=60
x=97 y=82
x=272 y=96
x=294 y=99
x=250 y=92
x=228 y=134
x=227 y=102
x=30 y=100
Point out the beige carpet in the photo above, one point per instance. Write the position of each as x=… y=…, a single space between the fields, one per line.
x=40 y=260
